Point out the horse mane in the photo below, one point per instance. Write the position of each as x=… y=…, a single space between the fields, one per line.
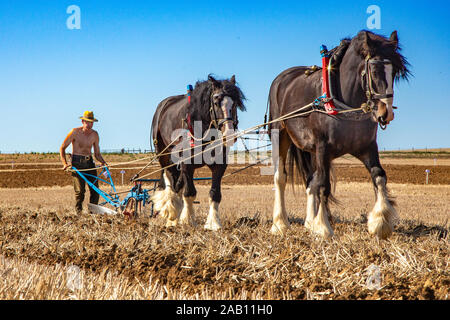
x=201 y=97
x=338 y=52
x=384 y=47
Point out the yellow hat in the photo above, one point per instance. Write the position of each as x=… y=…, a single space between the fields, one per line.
x=88 y=116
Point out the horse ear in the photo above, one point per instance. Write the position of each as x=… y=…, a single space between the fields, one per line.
x=367 y=43
x=394 y=39
x=367 y=40
x=213 y=81
x=233 y=80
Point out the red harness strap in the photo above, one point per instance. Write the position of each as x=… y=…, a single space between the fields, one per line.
x=191 y=130
x=188 y=116
x=329 y=106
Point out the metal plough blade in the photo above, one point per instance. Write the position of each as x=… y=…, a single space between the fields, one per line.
x=100 y=210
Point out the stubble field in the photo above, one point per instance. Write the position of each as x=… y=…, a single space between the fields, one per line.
x=48 y=252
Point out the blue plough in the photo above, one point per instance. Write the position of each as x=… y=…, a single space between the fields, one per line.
x=134 y=202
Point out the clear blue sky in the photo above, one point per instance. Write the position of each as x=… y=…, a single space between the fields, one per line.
x=129 y=55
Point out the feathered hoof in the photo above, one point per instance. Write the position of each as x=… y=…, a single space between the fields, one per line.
x=171 y=223
x=380 y=228
x=187 y=216
x=309 y=224
x=279 y=230
x=187 y=220
x=212 y=225
x=213 y=220
x=381 y=220
x=322 y=230
x=168 y=204
x=320 y=225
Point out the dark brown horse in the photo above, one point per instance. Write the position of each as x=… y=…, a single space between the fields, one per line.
x=182 y=127
x=363 y=72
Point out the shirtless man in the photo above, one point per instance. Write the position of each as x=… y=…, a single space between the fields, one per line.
x=83 y=139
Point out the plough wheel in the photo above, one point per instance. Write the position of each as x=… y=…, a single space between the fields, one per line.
x=131 y=208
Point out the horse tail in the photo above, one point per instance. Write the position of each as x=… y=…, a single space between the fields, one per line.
x=303 y=161
x=265 y=115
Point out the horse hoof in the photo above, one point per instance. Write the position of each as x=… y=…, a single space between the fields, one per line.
x=324 y=233
x=278 y=230
x=309 y=225
x=379 y=227
x=188 y=222
x=381 y=219
x=171 y=223
x=212 y=227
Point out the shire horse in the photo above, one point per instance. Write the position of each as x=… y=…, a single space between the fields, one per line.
x=363 y=70
x=208 y=112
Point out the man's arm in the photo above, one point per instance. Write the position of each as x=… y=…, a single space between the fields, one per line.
x=97 y=153
x=62 y=150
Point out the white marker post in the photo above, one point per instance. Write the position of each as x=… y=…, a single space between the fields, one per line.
x=122 y=172
x=427 y=172
x=435 y=162
x=12 y=165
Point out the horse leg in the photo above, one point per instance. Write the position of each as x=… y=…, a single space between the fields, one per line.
x=167 y=201
x=319 y=191
x=187 y=214
x=280 y=219
x=213 y=219
x=382 y=218
x=311 y=208
x=307 y=168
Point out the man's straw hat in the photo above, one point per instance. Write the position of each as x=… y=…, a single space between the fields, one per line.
x=88 y=116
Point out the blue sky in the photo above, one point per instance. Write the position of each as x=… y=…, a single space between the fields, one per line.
x=129 y=55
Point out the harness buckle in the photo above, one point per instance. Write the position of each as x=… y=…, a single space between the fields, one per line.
x=368 y=106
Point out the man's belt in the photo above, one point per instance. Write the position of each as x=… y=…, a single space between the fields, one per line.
x=80 y=158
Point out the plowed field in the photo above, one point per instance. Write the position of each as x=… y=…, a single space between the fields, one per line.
x=42 y=240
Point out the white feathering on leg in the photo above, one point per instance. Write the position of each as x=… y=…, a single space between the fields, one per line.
x=213 y=220
x=280 y=219
x=310 y=209
x=382 y=218
x=321 y=224
x=187 y=214
x=168 y=203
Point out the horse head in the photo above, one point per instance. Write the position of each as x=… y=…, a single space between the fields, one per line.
x=378 y=66
x=226 y=98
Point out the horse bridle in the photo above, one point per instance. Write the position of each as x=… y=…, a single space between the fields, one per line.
x=366 y=78
x=218 y=123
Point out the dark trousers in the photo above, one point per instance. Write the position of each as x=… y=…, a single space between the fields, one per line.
x=79 y=184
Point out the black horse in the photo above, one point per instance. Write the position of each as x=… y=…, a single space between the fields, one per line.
x=363 y=70
x=182 y=127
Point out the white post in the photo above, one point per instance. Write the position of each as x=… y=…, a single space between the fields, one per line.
x=427 y=172
x=122 y=173
x=435 y=161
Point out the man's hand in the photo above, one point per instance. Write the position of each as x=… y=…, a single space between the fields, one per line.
x=104 y=164
x=65 y=167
